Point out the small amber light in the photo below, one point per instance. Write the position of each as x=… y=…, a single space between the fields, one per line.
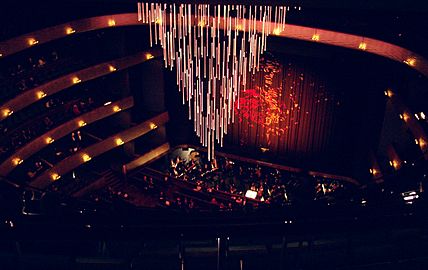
x=388 y=93
x=116 y=108
x=86 y=157
x=76 y=80
x=81 y=123
x=119 y=141
x=374 y=172
x=32 y=41
x=40 y=94
x=201 y=23
x=149 y=56
x=49 y=140
x=16 y=161
x=410 y=61
x=405 y=117
x=422 y=143
x=394 y=164
x=315 y=37
x=362 y=46
x=55 y=176
x=69 y=31
x=111 y=22
x=277 y=31
x=7 y=112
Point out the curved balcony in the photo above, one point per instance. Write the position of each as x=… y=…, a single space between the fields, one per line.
x=57 y=85
x=35 y=66
x=85 y=155
x=20 y=43
x=55 y=134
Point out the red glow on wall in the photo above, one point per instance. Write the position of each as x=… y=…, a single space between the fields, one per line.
x=287 y=109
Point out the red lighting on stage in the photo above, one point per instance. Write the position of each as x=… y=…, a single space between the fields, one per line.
x=286 y=109
x=270 y=113
x=264 y=100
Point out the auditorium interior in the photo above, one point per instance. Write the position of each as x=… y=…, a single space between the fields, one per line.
x=223 y=135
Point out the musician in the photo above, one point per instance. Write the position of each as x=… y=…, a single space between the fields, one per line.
x=178 y=166
x=173 y=167
x=214 y=165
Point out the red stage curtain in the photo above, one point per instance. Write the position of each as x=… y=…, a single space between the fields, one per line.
x=287 y=109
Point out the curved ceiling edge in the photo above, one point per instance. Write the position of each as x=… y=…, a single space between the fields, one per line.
x=378 y=47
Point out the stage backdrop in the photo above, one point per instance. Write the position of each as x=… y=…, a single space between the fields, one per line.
x=287 y=109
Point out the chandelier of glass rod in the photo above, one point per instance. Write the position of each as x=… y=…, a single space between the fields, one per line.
x=212 y=48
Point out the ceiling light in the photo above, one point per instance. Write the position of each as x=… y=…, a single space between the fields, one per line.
x=362 y=46
x=315 y=37
x=277 y=31
x=111 y=22
x=410 y=61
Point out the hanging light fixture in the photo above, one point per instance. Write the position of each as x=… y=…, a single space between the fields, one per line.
x=212 y=48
